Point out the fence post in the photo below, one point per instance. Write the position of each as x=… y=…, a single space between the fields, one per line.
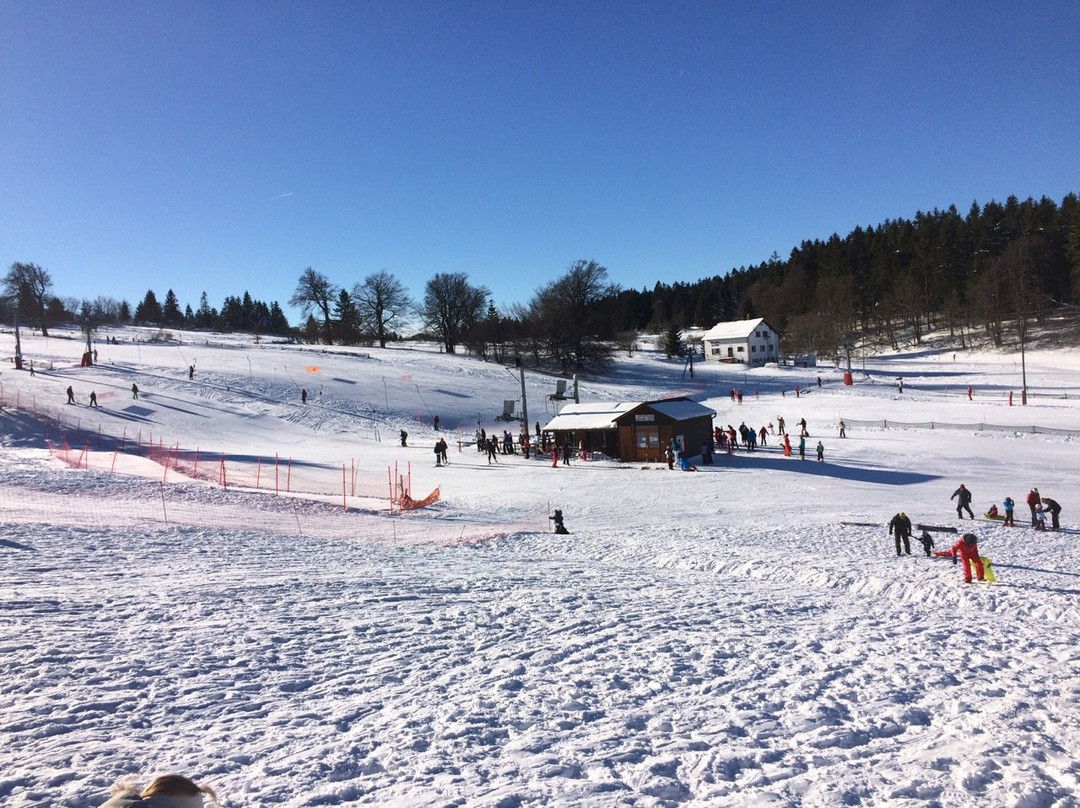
x=344 y=504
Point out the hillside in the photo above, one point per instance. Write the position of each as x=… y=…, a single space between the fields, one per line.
x=699 y=639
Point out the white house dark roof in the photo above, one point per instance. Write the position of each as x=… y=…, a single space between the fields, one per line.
x=734 y=329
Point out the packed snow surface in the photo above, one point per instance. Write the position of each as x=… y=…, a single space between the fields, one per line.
x=699 y=639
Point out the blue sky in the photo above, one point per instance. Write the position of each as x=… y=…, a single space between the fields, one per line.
x=226 y=146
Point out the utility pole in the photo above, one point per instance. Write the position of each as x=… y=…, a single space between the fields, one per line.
x=18 y=345
x=524 y=402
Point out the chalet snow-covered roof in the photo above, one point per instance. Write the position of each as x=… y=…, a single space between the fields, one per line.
x=602 y=414
x=681 y=409
x=594 y=415
x=734 y=329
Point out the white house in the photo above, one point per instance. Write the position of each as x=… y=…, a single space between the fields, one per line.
x=747 y=342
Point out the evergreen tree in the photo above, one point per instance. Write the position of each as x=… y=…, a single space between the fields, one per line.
x=673 y=342
x=148 y=312
x=170 y=312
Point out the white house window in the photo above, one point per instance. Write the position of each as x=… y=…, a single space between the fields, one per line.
x=741 y=349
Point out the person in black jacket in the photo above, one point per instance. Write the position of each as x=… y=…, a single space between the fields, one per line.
x=963 y=502
x=900 y=528
x=1052 y=507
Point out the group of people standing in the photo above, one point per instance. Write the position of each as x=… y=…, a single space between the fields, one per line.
x=1039 y=506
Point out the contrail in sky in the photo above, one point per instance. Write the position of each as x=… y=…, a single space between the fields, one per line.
x=282 y=196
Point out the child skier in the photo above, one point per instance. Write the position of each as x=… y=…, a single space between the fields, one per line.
x=1009 y=506
x=557 y=519
x=927 y=542
x=967 y=549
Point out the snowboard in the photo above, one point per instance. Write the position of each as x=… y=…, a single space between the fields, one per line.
x=936 y=528
x=997 y=517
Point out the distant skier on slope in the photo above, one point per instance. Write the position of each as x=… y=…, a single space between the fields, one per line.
x=963 y=502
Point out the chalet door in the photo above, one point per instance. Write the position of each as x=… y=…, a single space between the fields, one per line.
x=647 y=443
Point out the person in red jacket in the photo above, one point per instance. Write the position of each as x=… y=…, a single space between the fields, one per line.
x=967 y=549
x=1033 y=500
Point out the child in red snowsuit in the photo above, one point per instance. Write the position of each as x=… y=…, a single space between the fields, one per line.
x=968 y=550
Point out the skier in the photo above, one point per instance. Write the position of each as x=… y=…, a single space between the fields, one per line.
x=438 y=455
x=93 y=398
x=493 y=450
x=967 y=548
x=1040 y=517
x=557 y=521
x=1008 y=505
x=303 y=395
x=787 y=445
x=963 y=502
x=927 y=542
x=435 y=421
x=1033 y=499
x=134 y=390
x=191 y=372
x=70 y=395
x=900 y=528
x=1052 y=507
x=443 y=451
x=669 y=455
x=802 y=447
x=404 y=439
x=843 y=429
x=820 y=452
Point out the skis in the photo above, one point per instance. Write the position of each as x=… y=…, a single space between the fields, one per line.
x=937 y=528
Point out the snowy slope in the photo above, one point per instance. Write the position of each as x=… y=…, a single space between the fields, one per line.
x=701 y=639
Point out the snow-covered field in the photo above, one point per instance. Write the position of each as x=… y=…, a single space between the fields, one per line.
x=700 y=639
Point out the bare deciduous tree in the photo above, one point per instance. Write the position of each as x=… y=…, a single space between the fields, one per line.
x=315 y=292
x=451 y=307
x=381 y=301
x=29 y=286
